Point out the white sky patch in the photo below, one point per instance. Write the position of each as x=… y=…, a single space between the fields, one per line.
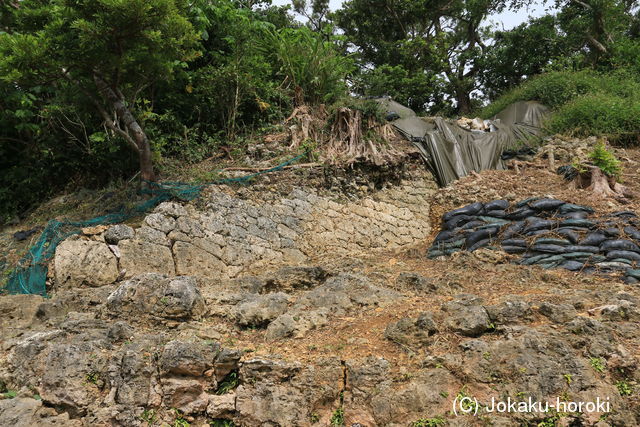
x=504 y=21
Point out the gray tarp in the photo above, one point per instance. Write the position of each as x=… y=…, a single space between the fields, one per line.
x=452 y=152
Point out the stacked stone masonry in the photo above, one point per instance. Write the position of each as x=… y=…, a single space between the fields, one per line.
x=232 y=236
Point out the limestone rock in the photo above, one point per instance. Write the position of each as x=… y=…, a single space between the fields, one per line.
x=411 y=332
x=467 y=316
x=139 y=257
x=187 y=358
x=118 y=232
x=558 y=313
x=195 y=261
x=84 y=262
x=157 y=296
x=260 y=310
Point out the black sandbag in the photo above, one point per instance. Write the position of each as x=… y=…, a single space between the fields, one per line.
x=496 y=205
x=631 y=256
x=498 y=213
x=526 y=202
x=624 y=260
x=633 y=273
x=444 y=236
x=611 y=232
x=553 y=258
x=569 y=207
x=514 y=242
x=513 y=230
x=457 y=221
x=620 y=245
x=553 y=249
x=582 y=248
x=625 y=214
x=546 y=204
x=536 y=233
x=535 y=223
x=530 y=260
x=552 y=241
x=479 y=244
x=437 y=253
x=478 y=235
x=514 y=249
x=593 y=239
x=471 y=224
x=632 y=232
x=577 y=223
x=630 y=280
x=571 y=235
x=572 y=265
x=472 y=209
x=612 y=265
x=574 y=215
x=449 y=244
x=521 y=213
x=549 y=266
x=491 y=220
x=581 y=255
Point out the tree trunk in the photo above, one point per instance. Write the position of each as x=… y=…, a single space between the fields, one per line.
x=594 y=180
x=464 y=101
x=133 y=129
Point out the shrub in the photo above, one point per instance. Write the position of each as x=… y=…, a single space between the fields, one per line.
x=307 y=62
x=583 y=103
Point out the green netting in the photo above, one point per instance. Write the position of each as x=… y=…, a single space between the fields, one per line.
x=29 y=277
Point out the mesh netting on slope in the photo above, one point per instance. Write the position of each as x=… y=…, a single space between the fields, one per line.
x=547 y=232
x=29 y=277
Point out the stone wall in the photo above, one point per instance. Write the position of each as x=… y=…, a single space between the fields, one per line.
x=222 y=235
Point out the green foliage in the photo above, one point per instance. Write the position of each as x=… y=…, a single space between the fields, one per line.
x=337 y=418
x=179 y=421
x=624 y=388
x=310 y=67
x=148 y=416
x=314 y=418
x=525 y=50
x=10 y=394
x=605 y=160
x=429 y=422
x=597 y=363
x=584 y=102
x=411 y=89
x=229 y=382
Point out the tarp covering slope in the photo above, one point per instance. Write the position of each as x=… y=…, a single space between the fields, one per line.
x=452 y=152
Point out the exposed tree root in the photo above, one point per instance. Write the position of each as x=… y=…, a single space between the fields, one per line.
x=603 y=186
x=344 y=136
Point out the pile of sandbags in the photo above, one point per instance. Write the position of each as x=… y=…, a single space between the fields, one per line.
x=546 y=232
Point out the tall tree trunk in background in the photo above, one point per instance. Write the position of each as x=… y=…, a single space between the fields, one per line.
x=464 y=101
x=134 y=133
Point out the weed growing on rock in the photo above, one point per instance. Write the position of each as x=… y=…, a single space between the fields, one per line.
x=180 y=421
x=9 y=394
x=229 y=382
x=337 y=419
x=624 y=388
x=314 y=418
x=148 y=416
x=597 y=363
x=221 y=422
x=429 y=422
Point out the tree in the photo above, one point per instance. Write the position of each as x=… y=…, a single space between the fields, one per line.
x=521 y=52
x=443 y=40
x=109 y=51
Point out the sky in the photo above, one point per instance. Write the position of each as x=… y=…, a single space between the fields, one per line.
x=505 y=20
